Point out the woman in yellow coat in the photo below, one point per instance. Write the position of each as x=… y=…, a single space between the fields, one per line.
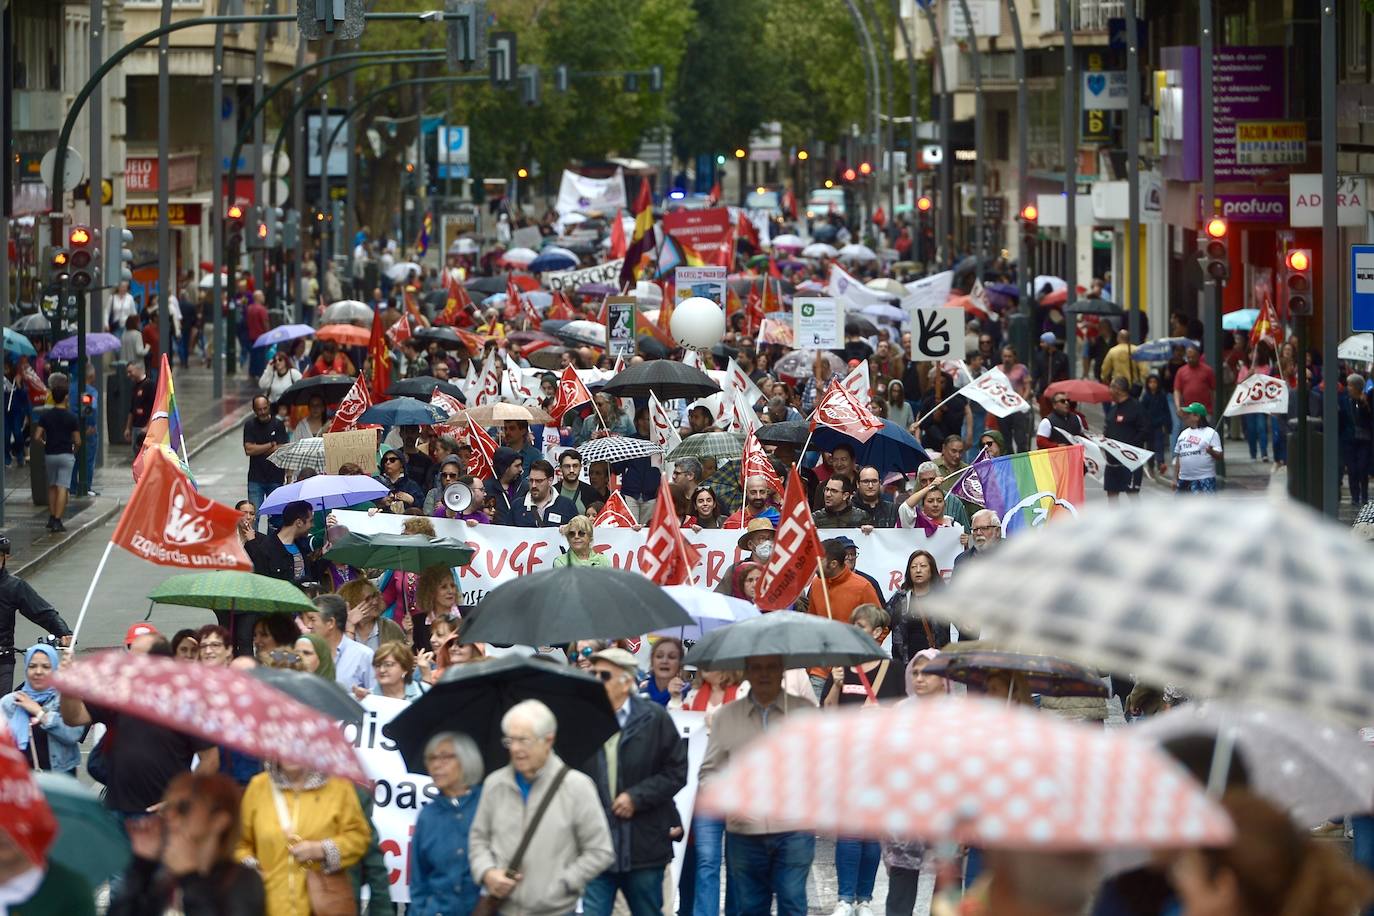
x=295 y=821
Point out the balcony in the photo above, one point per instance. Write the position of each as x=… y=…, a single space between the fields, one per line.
x=1088 y=15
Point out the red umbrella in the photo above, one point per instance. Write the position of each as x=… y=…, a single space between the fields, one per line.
x=1055 y=297
x=1083 y=390
x=24 y=813
x=345 y=334
x=218 y=704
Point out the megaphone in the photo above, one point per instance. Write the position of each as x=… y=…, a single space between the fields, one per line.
x=458 y=498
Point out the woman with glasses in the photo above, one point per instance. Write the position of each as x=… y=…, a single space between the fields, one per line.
x=912 y=631
x=277 y=377
x=580 y=653
x=440 y=874
x=405 y=493
x=452 y=473
x=312 y=424
x=578 y=531
x=215 y=646
x=393 y=665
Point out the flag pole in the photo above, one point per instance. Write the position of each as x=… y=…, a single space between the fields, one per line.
x=926 y=416
x=86 y=604
x=825 y=589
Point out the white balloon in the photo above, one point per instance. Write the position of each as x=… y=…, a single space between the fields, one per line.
x=698 y=322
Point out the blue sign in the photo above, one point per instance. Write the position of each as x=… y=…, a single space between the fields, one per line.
x=1362 y=287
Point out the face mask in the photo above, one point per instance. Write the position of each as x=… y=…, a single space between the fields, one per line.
x=764 y=551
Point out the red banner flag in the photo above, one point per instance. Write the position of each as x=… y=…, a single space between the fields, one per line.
x=841 y=411
x=571 y=392
x=446 y=402
x=168 y=523
x=380 y=353
x=482 y=463
x=456 y=301
x=667 y=558
x=796 y=550
x=351 y=407
x=400 y=331
x=619 y=244
x=755 y=463
x=615 y=513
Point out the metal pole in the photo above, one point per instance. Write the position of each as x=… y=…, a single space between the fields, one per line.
x=980 y=237
x=890 y=170
x=351 y=200
x=1132 y=298
x=874 y=85
x=911 y=89
x=165 y=279
x=259 y=132
x=1330 y=262
x=1211 y=290
x=1070 y=127
x=320 y=253
x=299 y=145
x=97 y=200
x=217 y=218
x=7 y=206
x=945 y=244
x=1024 y=271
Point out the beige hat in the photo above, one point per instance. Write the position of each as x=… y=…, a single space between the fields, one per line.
x=618 y=657
x=755 y=525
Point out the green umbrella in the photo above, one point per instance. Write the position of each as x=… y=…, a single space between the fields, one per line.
x=413 y=552
x=717 y=445
x=230 y=590
x=89 y=840
x=758 y=260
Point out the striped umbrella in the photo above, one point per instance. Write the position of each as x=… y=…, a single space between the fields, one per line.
x=301 y=454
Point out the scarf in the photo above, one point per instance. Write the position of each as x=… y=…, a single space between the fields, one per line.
x=20 y=723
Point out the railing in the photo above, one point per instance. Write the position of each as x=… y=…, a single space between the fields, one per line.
x=1088 y=15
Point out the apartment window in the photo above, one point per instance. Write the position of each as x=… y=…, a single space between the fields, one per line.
x=37 y=40
x=1354 y=27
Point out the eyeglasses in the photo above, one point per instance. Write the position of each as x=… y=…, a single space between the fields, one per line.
x=1060 y=401
x=390 y=458
x=439 y=758
x=868 y=480
x=577 y=534
x=212 y=645
x=518 y=740
x=987 y=527
x=449 y=476
x=539 y=480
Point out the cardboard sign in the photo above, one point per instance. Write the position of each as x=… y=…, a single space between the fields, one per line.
x=818 y=323
x=937 y=333
x=620 y=325
x=703 y=282
x=356 y=446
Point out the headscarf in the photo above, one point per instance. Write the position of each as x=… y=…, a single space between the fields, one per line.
x=737 y=578
x=927 y=655
x=20 y=723
x=326 y=655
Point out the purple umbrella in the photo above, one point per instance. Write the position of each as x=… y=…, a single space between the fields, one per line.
x=283 y=334
x=325 y=492
x=96 y=344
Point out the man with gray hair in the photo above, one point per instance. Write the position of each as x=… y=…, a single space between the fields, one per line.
x=687 y=473
x=571 y=843
x=985 y=533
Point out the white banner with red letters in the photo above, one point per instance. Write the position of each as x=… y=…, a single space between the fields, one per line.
x=1258 y=394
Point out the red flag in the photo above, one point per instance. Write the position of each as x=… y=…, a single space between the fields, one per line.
x=512 y=307
x=644 y=200
x=880 y=216
x=667 y=558
x=619 y=244
x=714 y=197
x=755 y=463
x=747 y=231
x=381 y=359
x=841 y=411
x=773 y=270
x=561 y=309
x=400 y=331
x=351 y=407
x=796 y=550
x=789 y=203
x=456 y=303
x=482 y=463
x=615 y=514
x=1265 y=325
x=168 y=523
x=446 y=402
x=571 y=392
x=725 y=255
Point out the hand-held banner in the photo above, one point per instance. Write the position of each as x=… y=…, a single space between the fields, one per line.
x=796 y=550
x=841 y=411
x=168 y=523
x=1258 y=394
x=571 y=392
x=615 y=513
x=1028 y=489
x=351 y=407
x=667 y=558
x=446 y=402
x=663 y=431
x=993 y=392
x=755 y=462
x=482 y=462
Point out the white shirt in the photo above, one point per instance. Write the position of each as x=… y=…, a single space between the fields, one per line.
x=353 y=664
x=121 y=307
x=1194 y=461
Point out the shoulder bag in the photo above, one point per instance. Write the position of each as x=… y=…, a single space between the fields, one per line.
x=489 y=904
x=330 y=894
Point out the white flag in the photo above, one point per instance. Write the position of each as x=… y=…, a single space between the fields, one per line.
x=662 y=430
x=1258 y=394
x=1093 y=462
x=993 y=392
x=743 y=384
x=859 y=382
x=489 y=382
x=1132 y=456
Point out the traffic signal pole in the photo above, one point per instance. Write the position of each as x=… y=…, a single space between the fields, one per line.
x=1331 y=273
x=165 y=280
x=217 y=216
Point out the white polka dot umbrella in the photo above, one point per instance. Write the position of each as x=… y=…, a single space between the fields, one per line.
x=970 y=770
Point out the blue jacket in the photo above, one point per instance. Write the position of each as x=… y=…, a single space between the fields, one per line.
x=440 y=878
x=64 y=741
x=555 y=514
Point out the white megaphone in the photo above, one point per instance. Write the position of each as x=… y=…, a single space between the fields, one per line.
x=458 y=498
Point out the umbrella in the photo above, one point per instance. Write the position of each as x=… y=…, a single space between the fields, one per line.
x=422 y=387
x=890 y=449
x=492 y=414
x=1156 y=350
x=861 y=327
x=1043 y=674
x=789 y=241
x=472 y=699
x=666 y=378
x=824 y=231
x=333 y=388
x=1094 y=307
x=889 y=286
x=487 y=285
x=717 y=445
x=1055 y=284
x=597 y=290
x=1055 y=297
x=615 y=449
x=346 y=334
x=591 y=333
x=519 y=257
x=546 y=357
x=520 y=338
x=301 y=454
x=96 y=344
x=567 y=604
x=1009 y=290
x=884 y=312
x=801 y=363
x=412 y=552
x=1268 y=599
x=18 y=344
x=651 y=348
x=709 y=609
x=346 y=310
x=35 y=325
x=803 y=640
x=1357 y=348
x=1239 y=320
x=234 y=591
x=971 y=770
x=316 y=692
x=325 y=492
x=788 y=432
x=553 y=260
x=404 y=412
x=222 y=705
x=1314 y=770
x=445 y=337
x=401 y=270
x=820 y=250
x=282 y=334
x=1083 y=390
x=464 y=246
x=89 y=840
x=857 y=253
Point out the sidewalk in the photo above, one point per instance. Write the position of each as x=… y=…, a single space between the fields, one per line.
x=203 y=419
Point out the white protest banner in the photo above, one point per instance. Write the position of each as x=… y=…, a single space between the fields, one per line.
x=819 y=323
x=1132 y=456
x=744 y=386
x=850 y=291
x=703 y=282
x=859 y=383
x=692 y=727
x=608 y=273
x=993 y=392
x=505 y=553
x=1258 y=394
x=928 y=292
x=578 y=193
x=551 y=444
x=663 y=431
x=937 y=333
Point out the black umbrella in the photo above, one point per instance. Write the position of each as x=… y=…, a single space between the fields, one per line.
x=472 y=698
x=652 y=348
x=577 y=602
x=788 y=432
x=422 y=387
x=444 y=337
x=853 y=324
x=332 y=388
x=803 y=640
x=488 y=285
x=666 y=378
x=316 y=692
x=1093 y=307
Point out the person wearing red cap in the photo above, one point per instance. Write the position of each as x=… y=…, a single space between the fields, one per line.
x=144 y=634
x=29 y=882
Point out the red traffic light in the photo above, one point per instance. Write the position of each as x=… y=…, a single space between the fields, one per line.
x=1299 y=259
x=262 y=230
x=1030 y=213
x=1216 y=227
x=79 y=235
x=850 y=175
x=924 y=203
x=235 y=212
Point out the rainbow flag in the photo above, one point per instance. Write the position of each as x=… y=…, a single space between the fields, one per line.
x=422 y=241
x=1028 y=489
x=164 y=426
x=675 y=254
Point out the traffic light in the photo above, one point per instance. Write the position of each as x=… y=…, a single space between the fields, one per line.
x=522 y=172
x=341 y=20
x=849 y=175
x=562 y=78
x=233 y=226
x=656 y=78
x=84 y=257
x=865 y=169
x=501 y=55
x=631 y=82
x=924 y=203
x=467 y=28
x=291 y=229
x=803 y=155
x=529 y=85
x=1298 y=269
x=739 y=152
x=270 y=233
x=119 y=260
x=255 y=230
x=1213 y=255
x=55 y=265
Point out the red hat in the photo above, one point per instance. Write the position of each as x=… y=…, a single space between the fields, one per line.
x=139 y=629
x=24 y=813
